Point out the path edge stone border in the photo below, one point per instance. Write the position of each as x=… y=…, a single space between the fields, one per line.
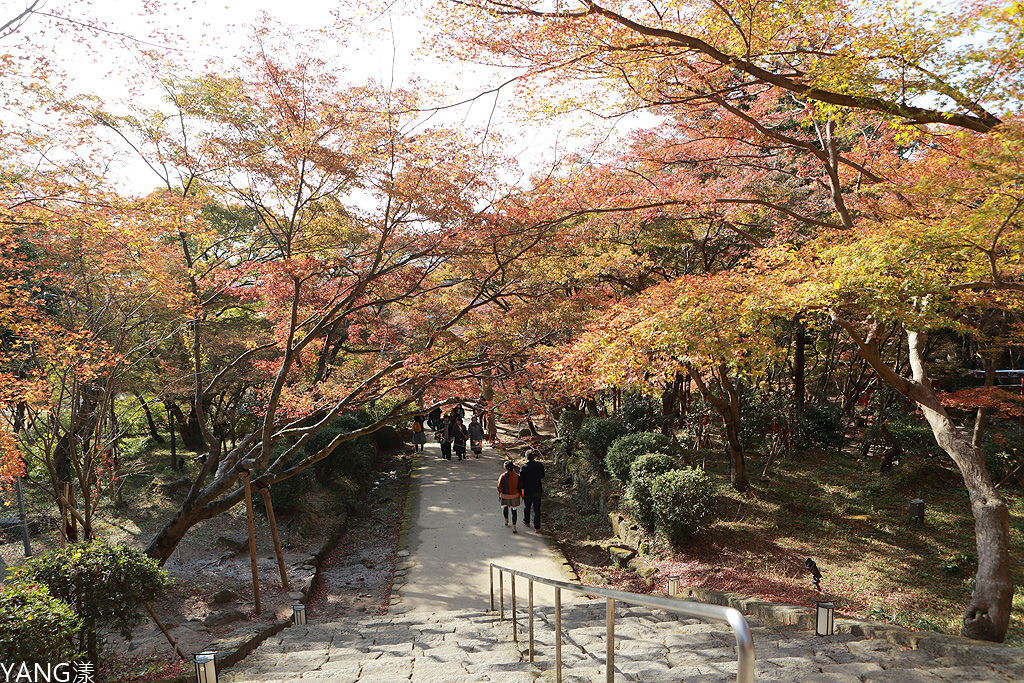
x=402 y=562
x=965 y=651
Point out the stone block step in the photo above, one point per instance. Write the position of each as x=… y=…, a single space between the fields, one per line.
x=650 y=646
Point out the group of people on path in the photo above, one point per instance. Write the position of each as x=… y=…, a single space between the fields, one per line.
x=450 y=431
x=517 y=484
x=522 y=484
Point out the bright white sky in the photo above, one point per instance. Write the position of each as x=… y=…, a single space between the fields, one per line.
x=382 y=44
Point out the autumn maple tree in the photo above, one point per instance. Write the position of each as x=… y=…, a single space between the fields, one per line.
x=826 y=136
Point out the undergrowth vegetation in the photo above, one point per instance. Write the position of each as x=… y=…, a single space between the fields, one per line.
x=829 y=505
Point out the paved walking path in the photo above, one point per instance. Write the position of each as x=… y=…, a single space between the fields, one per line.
x=456 y=530
x=650 y=647
x=439 y=629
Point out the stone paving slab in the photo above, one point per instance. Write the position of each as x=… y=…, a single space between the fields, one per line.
x=472 y=646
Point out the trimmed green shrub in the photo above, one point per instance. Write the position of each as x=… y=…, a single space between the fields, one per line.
x=569 y=423
x=641 y=475
x=35 y=627
x=682 y=501
x=626 y=449
x=597 y=434
x=820 y=425
x=640 y=412
x=104 y=584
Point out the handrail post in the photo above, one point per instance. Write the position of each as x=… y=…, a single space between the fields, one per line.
x=490 y=573
x=609 y=656
x=729 y=615
x=744 y=646
x=531 y=620
x=515 y=636
x=558 y=635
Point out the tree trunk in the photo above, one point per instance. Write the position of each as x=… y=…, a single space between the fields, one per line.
x=188 y=428
x=987 y=614
x=175 y=465
x=979 y=419
x=487 y=393
x=153 y=433
x=799 y=365
x=670 y=398
x=729 y=410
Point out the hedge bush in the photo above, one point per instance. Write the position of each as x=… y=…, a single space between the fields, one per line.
x=641 y=476
x=36 y=627
x=626 y=449
x=104 y=584
x=682 y=502
x=597 y=434
x=640 y=412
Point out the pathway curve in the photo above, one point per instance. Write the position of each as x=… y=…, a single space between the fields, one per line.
x=455 y=529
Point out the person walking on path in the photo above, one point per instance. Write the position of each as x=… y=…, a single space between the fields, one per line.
x=530 y=476
x=459 y=438
x=444 y=438
x=419 y=434
x=476 y=436
x=508 y=493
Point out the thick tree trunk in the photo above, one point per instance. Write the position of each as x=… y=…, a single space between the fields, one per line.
x=188 y=428
x=987 y=615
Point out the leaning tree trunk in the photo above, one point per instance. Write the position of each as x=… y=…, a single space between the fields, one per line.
x=153 y=433
x=987 y=614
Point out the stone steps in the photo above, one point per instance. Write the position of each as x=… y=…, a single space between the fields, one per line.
x=651 y=646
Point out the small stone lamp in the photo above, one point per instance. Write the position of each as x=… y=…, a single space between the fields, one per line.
x=824 y=619
x=206 y=666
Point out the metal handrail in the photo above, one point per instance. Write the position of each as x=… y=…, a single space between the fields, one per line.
x=700 y=610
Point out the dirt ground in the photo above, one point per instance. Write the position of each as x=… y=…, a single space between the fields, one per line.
x=213 y=578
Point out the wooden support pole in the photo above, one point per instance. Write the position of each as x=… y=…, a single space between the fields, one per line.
x=167 y=634
x=252 y=542
x=265 y=492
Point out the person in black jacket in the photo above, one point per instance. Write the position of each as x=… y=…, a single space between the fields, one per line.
x=530 y=476
x=458 y=432
x=444 y=438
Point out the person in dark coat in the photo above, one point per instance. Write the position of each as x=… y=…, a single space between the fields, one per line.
x=434 y=418
x=530 y=476
x=458 y=431
x=444 y=438
x=476 y=436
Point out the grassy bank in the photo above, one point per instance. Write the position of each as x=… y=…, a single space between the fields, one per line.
x=854 y=522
